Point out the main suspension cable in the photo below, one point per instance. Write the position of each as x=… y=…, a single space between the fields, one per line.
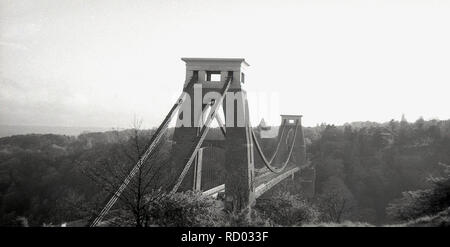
x=283 y=124
x=266 y=162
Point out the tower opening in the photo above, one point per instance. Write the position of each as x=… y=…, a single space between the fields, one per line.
x=213 y=76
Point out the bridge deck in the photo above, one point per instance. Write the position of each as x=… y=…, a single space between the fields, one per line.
x=264 y=182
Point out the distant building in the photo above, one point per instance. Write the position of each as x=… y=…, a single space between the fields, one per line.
x=267 y=131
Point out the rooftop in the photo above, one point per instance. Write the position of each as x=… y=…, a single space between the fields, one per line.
x=202 y=59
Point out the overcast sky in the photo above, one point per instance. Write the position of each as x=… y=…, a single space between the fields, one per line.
x=101 y=63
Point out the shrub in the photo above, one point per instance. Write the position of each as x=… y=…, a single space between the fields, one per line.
x=415 y=204
x=441 y=219
x=184 y=209
x=287 y=210
x=246 y=219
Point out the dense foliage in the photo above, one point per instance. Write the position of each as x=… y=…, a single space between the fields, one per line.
x=374 y=163
x=425 y=202
x=184 y=209
x=361 y=169
x=287 y=210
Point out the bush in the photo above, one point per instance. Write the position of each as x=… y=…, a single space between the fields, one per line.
x=287 y=210
x=415 y=204
x=441 y=219
x=246 y=219
x=185 y=209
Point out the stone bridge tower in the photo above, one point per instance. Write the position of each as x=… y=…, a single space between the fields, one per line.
x=205 y=77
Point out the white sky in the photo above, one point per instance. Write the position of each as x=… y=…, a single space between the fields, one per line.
x=101 y=63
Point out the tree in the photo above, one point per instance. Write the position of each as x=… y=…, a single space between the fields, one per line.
x=418 y=203
x=146 y=186
x=336 y=201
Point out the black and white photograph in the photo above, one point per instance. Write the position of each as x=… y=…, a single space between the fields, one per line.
x=214 y=114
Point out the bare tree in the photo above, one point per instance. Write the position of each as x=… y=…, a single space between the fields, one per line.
x=336 y=201
x=110 y=171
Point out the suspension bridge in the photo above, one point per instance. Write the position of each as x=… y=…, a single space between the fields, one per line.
x=212 y=85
